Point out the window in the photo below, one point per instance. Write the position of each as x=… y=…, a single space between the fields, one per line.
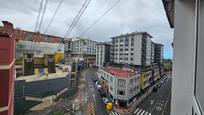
x=126 y=59
x=126 y=53
x=131 y=59
x=132 y=49
x=111 y=79
x=132 y=54
x=131 y=82
x=111 y=88
x=132 y=44
x=121 y=39
x=131 y=90
x=126 y=49
x=121 y=83
x=120 y=92
x=121 y=49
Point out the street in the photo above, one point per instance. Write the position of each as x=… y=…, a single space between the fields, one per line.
x=157 y=103
x=92 y=94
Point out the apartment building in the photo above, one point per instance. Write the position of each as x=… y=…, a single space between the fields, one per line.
x=84 y=49
x=132 y=48
x=103 y=53
x=187 y=17
x=122 y=85
x=146 y=79
x=158 y=53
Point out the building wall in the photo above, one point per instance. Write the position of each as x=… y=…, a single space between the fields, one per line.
x=103 y=54
x=83 y=46
x=183 y=99
x=7 y=69
x=129 y=48
x=130 y=85
x=40 y=48
x=158 y=53
x=152 y=52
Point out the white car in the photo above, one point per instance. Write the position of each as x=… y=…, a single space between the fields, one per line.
x=98 y=86
x=105 y=100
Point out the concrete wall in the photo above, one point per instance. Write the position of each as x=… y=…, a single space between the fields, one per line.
x=183 y=58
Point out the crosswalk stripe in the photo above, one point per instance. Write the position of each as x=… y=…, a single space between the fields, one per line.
x=136 y=110
x=146 y=113
x=142 y=113
x=112 y=113
x=138 y=113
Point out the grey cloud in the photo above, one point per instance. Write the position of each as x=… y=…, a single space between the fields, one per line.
x=126 y=16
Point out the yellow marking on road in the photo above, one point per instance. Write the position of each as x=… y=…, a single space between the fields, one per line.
x=90 y=109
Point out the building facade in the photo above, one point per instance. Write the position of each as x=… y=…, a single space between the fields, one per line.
x=158 y=53
x=7 y=69
x=103 y=54
x=37 y=44
x=84 y=49
x=186 y=16
x=132 y=48
x=152 y=51
x=123 y=86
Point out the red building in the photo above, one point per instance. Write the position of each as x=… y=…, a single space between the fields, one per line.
x=7 y=69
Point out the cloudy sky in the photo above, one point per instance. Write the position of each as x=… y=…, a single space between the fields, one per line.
x=127 y=16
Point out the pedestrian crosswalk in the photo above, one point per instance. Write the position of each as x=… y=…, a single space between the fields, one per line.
x=113 y=113
x=140 y=111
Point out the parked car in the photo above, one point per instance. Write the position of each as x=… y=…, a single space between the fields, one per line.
x=98 y=86
x=101 y=93
x=105 y=100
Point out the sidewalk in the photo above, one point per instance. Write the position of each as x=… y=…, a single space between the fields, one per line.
x=59 y=74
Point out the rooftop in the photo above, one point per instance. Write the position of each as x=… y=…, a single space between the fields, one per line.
x=120 y=72
x=133 y=33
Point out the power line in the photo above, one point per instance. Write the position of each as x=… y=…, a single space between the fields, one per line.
x=41 y=19
x=43 y=14
x=38 y=17
x=76 y=19
x=53 y=16
x=89 y=27
x=37 y=20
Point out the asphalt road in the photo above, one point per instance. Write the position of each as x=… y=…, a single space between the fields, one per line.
x=93 y=94
x=157 y=103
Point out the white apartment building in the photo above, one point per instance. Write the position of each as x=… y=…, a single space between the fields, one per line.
x=103 y=51
x=187 y=17
x=123 y=85
x=81 y=49
x=81 y=46
x=132 y=48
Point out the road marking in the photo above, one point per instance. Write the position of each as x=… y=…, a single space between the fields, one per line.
x=142 y=112
x=139 y=112
x=154 y=106
x=166 y=103
x=136 y=110
x=113 y=113
x=94 y=97
x=146 y=113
